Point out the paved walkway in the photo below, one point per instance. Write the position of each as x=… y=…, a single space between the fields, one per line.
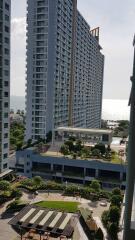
x=6 y=231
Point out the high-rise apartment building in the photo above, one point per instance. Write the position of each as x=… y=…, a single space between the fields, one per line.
x=5 y=6
x=64 y=68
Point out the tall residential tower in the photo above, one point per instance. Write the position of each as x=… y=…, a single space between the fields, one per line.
x=5 y=6
x=64 y=68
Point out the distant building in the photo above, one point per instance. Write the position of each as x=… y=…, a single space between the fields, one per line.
x=16 y=118
x=64 y=69
x=5 y=8
x=112 y=124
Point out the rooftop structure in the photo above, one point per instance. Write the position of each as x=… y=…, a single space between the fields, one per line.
x=45 y=220
x=86 y=135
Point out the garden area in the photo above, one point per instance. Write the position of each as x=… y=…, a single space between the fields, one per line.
x=59 y=205
x=93 y=192
x=75 y=149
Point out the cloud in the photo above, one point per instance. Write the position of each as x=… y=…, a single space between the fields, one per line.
x=18 y=50
x=18 y=28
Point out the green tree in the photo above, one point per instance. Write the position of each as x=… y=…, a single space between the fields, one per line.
x=16 y=193
x=116 y=200
x=37 y=181
x=96 y=153
x=70 y=145
x=64 y=150
x=116 y=191
x=105 y=217
x=19 y=145
x=95 y=185
x=113 y=230
x=101 y=148
x=27 y=182
x=4 y=186
x=72 y=138
x=114 y=214
x=78 y=145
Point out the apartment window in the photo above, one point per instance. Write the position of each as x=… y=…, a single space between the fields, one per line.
x=5 y=165
x=6 y=51
x=5 y=125
x=6 y=104
x=5 y=145
x=6 y=40
x=7 y=29
x=5 y=115
x=6 y=73
x=6 y=17
x=6 y=62
x=7 y=6
x=5 y=155
x=6 y=135
x=5 y=94
x=6 y=83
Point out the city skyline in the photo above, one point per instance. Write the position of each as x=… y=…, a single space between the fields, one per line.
x=116 y=36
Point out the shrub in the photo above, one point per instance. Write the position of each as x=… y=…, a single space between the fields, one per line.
x=113 y=230
x=96 y=152
x=16 y=193
x=116 y=200
x=114 y=214
x=4 y=185
x=101 y=148
x=95 y=185
x=116 y=191
x=105 y=217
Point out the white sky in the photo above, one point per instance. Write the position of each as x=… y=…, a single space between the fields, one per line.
x=116 y=21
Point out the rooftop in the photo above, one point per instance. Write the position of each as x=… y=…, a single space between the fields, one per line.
x=52 y=221
x=84 y=130
x=4 y=174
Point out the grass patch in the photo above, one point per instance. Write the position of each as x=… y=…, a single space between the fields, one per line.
x=59 y=205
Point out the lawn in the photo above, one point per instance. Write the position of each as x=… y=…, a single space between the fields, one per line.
x=59 y=205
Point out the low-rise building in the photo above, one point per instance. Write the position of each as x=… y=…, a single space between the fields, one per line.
x=54 y=166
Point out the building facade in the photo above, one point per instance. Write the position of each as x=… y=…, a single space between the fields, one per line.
x=78 y=171
x=64 y=69
x=129 y=221
x=5 y=6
